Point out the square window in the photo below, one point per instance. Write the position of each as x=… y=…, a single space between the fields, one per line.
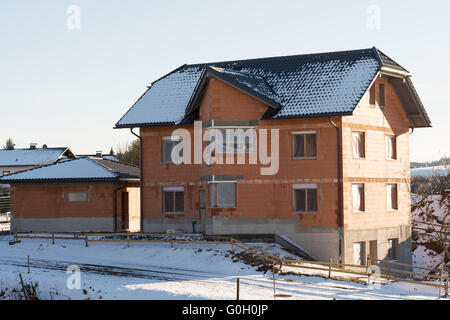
x=222 y=195
x=305 y=199
x=168 y=143
x=173 y=201
x=304 y=145
x=234 y=140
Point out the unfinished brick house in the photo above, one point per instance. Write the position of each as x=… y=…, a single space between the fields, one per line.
x=76 y=195
x=342 y=187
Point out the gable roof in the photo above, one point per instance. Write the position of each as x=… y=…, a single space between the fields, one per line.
x=80 y=169
x=33 y=157
x=299 y=86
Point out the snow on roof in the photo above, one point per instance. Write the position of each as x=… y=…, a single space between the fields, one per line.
x=30 y=157
x=75 y=169
x=310 y=85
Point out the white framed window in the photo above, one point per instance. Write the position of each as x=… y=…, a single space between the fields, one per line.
x=392 y=253
x=391 y=147
x=75 y=196
x=168 y=143
x=305 y=198
x=359 y=144
x=6 y=172
x=173 y=199
x=392 y=196
x=222 y=194
x=304 y=145
x=358 y=197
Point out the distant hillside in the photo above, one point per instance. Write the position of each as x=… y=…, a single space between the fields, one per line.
x=440 y=162
x=428 y=171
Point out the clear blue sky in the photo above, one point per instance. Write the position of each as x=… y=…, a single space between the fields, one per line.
x=68 y=87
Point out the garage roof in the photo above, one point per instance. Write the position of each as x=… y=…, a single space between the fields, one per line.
x=80 y=169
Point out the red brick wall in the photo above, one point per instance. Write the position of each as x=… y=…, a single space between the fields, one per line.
x=257 y=196
x=47 y=200
x=272 y=196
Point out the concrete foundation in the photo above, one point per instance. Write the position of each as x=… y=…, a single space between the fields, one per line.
x=62 y=224
x=320 y=242
x=381 y=235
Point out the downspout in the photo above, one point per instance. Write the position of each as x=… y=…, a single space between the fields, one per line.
x=115 y=204
x=141 y=179
x=339 y=177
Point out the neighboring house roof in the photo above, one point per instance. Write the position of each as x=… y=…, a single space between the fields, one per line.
x=104 y=156
x=80 y=169
x=300 y=86
x=33 y=157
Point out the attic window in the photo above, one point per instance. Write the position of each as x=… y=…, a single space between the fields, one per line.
x=372 y=96
x=381 y=101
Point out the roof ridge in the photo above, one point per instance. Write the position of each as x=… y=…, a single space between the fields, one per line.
x=281 y=56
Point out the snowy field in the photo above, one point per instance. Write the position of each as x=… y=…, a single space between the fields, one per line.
x=156 y=271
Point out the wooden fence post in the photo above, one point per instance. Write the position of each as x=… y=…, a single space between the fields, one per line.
x=86 y=240
x=237 y=289
x=128 y=240
x=446 y=287
x=273 y=275
x=171 y=241
x=28 y=264
x=53 y=238
x=232 y=246
x=17 y=237
x=329 y=270
x=367 y=270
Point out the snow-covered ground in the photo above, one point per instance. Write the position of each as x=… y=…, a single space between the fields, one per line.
x=428 y=252
x=157 y=271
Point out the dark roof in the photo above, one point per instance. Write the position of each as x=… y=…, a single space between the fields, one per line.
x=299 y=86
x=80 y=169
x=125 y=170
